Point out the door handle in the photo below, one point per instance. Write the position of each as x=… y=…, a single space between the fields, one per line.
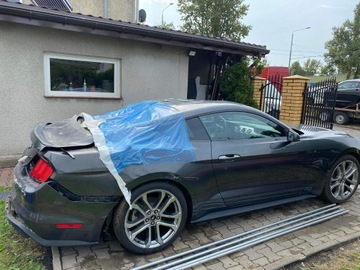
x=229 y=156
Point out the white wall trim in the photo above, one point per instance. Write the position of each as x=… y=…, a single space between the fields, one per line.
x=50 y=93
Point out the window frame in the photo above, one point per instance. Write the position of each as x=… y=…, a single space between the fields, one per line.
x=68 y=94
x=226 y=138
x=344 y=85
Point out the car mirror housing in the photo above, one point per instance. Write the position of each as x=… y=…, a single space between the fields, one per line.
x=293 y=136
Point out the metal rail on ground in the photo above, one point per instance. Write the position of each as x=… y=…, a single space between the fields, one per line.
x=244 y=240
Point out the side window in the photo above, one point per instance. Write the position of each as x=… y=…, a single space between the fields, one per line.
x=239 y=126
x=348 y=85
x=196 y=129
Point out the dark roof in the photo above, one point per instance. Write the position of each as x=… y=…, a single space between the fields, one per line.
x=45 y=17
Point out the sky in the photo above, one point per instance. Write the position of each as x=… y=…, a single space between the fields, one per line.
x=273 y=24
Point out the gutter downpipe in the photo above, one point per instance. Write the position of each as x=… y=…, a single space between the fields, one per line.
x=136 y=11
x=106 y=9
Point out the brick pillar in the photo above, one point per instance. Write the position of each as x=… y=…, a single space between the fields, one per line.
x=292 y=99
x=257 y=83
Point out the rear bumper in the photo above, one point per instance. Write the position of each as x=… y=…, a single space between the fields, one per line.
x=35 y=209
x=25 y=231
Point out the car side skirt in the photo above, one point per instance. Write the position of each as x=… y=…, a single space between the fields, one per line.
x=249 y=208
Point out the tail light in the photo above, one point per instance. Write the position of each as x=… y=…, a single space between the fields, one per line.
x=41 y=171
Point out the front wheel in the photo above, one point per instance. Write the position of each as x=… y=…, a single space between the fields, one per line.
x=342 y=180
x=157 y=217
x=341 y=118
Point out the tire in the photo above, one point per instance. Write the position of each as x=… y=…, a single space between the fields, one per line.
x=341 y=118
x=157 y=217
x=342 y=180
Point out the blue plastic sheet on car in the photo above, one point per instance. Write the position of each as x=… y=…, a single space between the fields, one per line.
x=143 y=133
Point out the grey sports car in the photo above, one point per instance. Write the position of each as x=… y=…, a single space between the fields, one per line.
x=143 y=172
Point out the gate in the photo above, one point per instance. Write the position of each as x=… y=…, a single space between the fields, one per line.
x=319 y=104
x=270 y=96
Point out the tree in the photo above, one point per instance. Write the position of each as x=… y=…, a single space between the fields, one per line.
x=344 y=48
x=296 y=69
x=167 y=25
x=217 y=18
x=311 y=67
x=236 y=84
x=328 y=70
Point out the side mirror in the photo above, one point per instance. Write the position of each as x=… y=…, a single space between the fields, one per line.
x=292 y=136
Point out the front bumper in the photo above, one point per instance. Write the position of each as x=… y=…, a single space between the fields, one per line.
x=35 y=209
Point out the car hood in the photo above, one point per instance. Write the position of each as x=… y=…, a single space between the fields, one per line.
x=61 y=134
x=318 y=132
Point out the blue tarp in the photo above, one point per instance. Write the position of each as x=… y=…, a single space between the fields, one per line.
x=145 y=133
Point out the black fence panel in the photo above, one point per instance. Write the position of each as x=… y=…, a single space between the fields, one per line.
x=319 y=104
x=270 y=99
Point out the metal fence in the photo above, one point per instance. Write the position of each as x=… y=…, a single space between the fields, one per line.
x=270 y=98
x=319 y=103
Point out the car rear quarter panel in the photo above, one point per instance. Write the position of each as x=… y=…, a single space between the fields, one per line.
x=84 y=174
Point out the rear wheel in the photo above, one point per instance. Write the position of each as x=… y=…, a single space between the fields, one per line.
x=342 y=181
x=341 y=118
x=157 y=217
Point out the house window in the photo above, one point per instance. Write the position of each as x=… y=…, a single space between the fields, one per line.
x=80 y=76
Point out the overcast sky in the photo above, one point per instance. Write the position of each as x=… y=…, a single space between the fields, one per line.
x=273 y=22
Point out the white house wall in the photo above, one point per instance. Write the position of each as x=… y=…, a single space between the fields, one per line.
x=148 y=71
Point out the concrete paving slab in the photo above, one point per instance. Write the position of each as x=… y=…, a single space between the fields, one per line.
x=273 y=254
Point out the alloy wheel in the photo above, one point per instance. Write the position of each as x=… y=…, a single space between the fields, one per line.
x=344 y=180
x=153 y=219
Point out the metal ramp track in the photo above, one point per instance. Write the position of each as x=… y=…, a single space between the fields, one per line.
x=244 y=240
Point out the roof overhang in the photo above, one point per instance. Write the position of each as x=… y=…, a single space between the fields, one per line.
x=43 y=17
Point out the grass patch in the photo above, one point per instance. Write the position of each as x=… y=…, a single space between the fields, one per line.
x=5 y=189
x=344 y=258
x=17 y=252
x=339 y=78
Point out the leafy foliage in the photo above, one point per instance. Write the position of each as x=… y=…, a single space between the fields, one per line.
x=310 y=68
x=236 y=84
x=218 y=18
x=167 y=25
x=344 y=48
x=296 y=69
x=328 y=70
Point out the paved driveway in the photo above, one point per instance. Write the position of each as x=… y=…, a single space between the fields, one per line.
x=273 y=254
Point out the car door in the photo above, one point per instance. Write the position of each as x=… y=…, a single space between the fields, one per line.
x=253 y=160
x=348 y=94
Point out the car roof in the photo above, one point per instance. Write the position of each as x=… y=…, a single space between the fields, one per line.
x=197 y=107
x=352 y=80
